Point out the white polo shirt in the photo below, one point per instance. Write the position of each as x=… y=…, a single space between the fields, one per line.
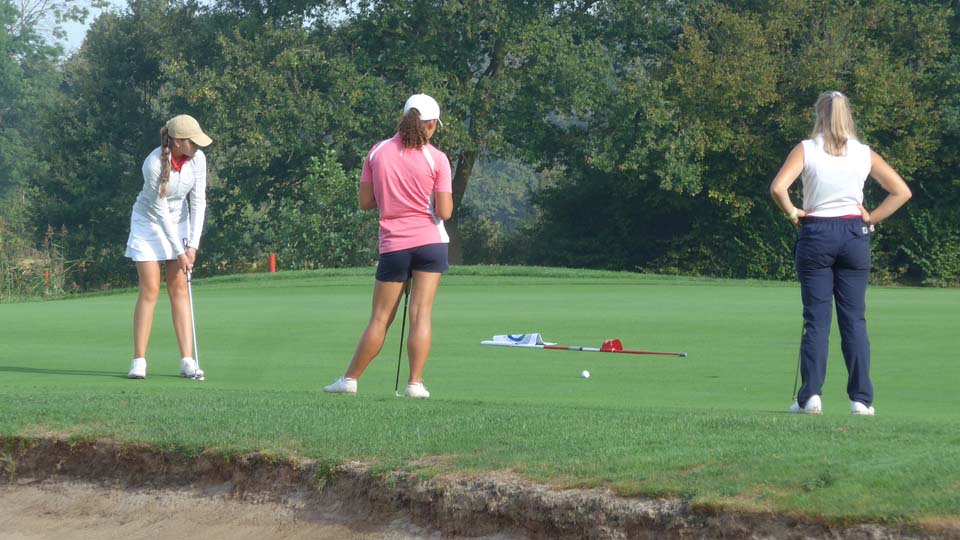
x=833 y=185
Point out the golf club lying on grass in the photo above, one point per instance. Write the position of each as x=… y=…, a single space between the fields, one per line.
x=535 y=341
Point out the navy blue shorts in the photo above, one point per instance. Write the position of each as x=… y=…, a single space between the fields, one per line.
x=400 y=265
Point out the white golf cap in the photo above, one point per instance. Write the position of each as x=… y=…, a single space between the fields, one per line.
x=185 y=126
x=428 y=107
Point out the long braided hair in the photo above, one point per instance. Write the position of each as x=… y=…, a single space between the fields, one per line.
x=411 y=129
x=164 y=161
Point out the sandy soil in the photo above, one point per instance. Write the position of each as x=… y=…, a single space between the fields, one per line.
x=74 y=511
x=65 y=489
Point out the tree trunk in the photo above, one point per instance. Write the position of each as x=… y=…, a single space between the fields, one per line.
x=477 y=119
x=464 y=169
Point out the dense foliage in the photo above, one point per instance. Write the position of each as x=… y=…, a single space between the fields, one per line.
x=633 y=135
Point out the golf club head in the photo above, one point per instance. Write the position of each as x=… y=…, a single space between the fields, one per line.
x=199 y=375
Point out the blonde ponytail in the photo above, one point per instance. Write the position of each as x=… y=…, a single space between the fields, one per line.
x=164 y=161
x=834 y=123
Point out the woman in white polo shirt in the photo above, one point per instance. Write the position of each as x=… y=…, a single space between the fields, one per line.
x=832 y=252
x=408 y=181
x=165 y=228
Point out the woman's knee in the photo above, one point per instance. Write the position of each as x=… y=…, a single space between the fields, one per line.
x=382 y=315
x=149 y=291
x=420 y=316
x=176 y=290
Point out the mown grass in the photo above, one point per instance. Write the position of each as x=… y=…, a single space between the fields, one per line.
x=710 y=427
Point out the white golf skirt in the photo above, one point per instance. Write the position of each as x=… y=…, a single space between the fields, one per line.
x=148 y=243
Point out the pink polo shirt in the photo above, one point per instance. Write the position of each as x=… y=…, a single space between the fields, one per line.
x=404 y=181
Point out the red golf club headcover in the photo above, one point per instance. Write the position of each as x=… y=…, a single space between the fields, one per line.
x=611 y=345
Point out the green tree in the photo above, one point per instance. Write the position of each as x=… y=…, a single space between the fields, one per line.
x=701 y=131
x=322 y=225
x=504 y=72
x=625 y=199
x=275 y=100
x=748 y=73
x=112 y=103
x=29 y=78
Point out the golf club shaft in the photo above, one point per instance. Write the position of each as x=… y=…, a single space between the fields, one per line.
x=403 y=328
x=595 y=349
x=193 y=324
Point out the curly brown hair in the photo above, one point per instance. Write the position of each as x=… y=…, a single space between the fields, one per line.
x=411 y=129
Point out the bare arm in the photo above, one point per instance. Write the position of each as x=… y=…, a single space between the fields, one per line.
x=897 y=190
x=779 y=188
x=443 y=205
x=366 y=197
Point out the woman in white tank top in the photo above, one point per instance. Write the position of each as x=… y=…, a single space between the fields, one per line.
x=832 y=252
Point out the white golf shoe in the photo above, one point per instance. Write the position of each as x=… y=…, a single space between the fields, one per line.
x=342 y=385
x=417 y=390
x=188 y=367
x=812 y=406
x=859 y=409
x=138 y=369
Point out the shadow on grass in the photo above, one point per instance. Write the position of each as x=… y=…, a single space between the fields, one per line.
x=42 y=371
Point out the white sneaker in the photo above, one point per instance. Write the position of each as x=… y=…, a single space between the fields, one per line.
x=138 y=369
x=342 y=385
x=188 y=367
x=812 y=406
x=859 y=409
x=417 y=390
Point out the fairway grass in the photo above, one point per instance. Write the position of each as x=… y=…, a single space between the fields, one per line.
x=710 y=428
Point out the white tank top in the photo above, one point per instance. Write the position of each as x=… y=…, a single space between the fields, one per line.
x=833 y=185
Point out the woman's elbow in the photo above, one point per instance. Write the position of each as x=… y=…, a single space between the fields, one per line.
x=367 y=201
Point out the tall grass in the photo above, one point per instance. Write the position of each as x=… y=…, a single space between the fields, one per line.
x=27 y=271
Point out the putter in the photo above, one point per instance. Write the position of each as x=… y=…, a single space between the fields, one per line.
x=199 y=375
x=403 y=327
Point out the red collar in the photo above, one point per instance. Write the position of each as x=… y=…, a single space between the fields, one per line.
x=177 y=161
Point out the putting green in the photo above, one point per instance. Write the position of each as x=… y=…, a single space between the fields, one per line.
x=710 y=427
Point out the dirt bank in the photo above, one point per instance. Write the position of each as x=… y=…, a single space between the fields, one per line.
x=68 y=510
x=136 y=491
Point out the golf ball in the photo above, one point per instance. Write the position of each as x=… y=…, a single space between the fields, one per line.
x=199 y=374
x=585 y=374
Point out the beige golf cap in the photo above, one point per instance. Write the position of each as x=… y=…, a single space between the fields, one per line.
x=185 y=126
x=428 y=107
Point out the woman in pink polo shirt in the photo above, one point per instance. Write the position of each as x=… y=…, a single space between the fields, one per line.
x=408 y=181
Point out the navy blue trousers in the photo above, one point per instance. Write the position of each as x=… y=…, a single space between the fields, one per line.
x=833 y=264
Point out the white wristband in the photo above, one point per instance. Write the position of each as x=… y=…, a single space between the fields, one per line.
x=793 y=215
